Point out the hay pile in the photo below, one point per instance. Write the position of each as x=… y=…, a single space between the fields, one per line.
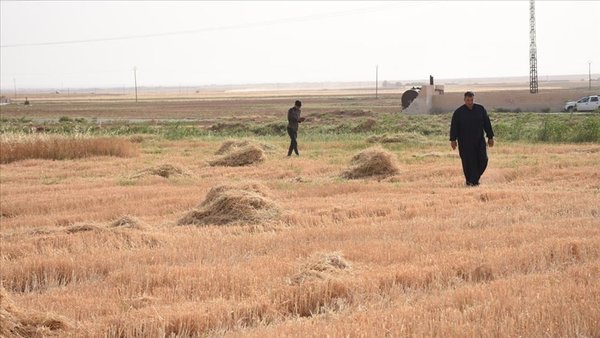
x=242 y=156
x=84 y=227
x=16 y=323
x=163 y=170
x=374 y=161
x=233 y=204
x=230 y=145
x=121 y=222
x=321 y=266
x=126 y=222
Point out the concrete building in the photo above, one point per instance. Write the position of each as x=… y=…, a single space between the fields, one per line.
x=425 y=103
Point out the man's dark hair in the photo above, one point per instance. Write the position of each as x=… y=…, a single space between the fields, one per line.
x=298 y=103
x=469 y=94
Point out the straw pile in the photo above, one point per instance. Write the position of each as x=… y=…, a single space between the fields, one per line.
x=126 y=222
x=15 y=323
x=233 y=204
x=237 y=157
x=84 y=227
x=231 y=145
x=321 y=266
x=119 y=223
x=163 y=170
x=374 y=161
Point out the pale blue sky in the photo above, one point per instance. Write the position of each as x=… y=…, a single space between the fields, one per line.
x=268 y=42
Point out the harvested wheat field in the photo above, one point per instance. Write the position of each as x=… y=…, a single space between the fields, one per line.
x=110 y=246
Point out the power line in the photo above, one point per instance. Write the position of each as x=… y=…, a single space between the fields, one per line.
x=202 y=30
x=66 y=74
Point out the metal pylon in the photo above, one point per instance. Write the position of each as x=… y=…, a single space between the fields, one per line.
x=533 y=74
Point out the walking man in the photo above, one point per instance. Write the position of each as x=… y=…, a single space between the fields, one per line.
x=292 y=128
x=469 y=122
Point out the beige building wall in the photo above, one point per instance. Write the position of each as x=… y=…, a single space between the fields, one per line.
x=553 y=99
x=423 y=103
x=431 y=102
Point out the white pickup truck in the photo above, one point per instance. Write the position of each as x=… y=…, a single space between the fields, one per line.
x=586 y=103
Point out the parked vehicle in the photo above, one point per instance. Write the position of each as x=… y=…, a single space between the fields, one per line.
x=570 y=106
x=588 y=103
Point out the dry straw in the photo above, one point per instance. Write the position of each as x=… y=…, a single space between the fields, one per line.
x=15 y=323
x=61 y=148
x=321 y=266
x=127 y=222
x=374 y=161
x=231 y=204
x=119 y=223
x=245 y=155
x=162 y=170
x=231 y=145
x=84 y=227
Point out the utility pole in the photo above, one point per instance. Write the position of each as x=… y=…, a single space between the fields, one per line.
x=135 y=81
x=376 y=80
x=15 y=84
x=533 y=75
x=590 y=75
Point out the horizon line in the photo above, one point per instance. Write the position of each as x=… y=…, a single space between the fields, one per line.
x=406 y=82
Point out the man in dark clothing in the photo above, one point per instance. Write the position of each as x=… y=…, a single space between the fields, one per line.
x=293 y=120
x=469 y=122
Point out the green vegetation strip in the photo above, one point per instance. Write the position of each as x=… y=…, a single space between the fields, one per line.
x=529 y=127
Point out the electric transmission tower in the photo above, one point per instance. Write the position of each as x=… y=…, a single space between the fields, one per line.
x=533 y=74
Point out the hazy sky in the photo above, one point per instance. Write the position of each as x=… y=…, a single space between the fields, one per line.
x=69 y=44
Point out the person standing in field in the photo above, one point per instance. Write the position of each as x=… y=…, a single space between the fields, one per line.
x=469 y=122
x=292 y=128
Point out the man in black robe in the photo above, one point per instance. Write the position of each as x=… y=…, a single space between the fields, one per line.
x=469 y=122
x=292 y=128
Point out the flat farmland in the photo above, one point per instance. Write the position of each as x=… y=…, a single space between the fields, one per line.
x=197 y=107
x=264 y=105
x=94 y=246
